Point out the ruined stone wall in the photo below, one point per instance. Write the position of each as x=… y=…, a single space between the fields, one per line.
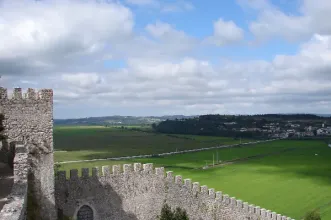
x=139 y=193
x=15 y=207
x=29 y=119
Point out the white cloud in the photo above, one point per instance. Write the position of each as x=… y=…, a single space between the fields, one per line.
x=162 y=75
x=156 y=69
x=84 y=80
x=142 y=2
x=43 y=34
x=164 y=6
x=178 y=7
x=225 y=33
x=273 y=22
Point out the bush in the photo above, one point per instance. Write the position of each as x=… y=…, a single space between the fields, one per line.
x=168 y=214
x=312 y=215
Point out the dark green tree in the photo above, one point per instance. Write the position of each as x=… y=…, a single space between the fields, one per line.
x=168 y=214
x=180 y=214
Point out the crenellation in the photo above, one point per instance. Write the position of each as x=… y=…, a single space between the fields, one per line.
x=85 y=172
x=31 y=94
x=147 y=187
x=95 y=172
x=105 y=171
x=211 y=193
x=263 y=213
x=137 y=167
x=46 y=94
x=73 y=174
x=179 y=180
x=170 y=176
x=251 y=208
x=62 y=175
x=159 y=171
x=219 y=196
x=258 y=210
x=204 y=190
x=116 y=169
x=239 y=204
x=233 y=202
x=188 y=183
x=196 y=188
x=3 y=93
x=17 y=94
x=226 y=199
x=246 y=207
x=211 y=200
x=127 y=168
x=274 y=216
x=148 y=168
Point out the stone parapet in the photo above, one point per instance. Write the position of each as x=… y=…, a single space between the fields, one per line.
x=140 y=191
x=15 y=207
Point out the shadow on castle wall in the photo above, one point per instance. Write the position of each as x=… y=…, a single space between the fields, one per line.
x=100 y=196
x=33 y=208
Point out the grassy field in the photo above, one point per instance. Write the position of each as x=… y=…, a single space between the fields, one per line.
x=96 y=142
x=290 y=183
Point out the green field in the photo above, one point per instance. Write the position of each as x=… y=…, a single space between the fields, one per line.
x=96 y=142
x=290 y=183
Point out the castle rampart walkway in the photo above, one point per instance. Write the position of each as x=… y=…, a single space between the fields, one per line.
x=6 y=183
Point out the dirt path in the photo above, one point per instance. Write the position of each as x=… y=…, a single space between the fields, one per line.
x=6 y=183
x=258 y=156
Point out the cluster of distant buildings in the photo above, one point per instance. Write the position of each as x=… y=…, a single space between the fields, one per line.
x=277 y=130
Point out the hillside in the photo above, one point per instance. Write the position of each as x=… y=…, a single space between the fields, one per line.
x=118 y=120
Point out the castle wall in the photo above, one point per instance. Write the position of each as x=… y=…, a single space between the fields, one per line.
x=139 y=193
x=15 y=207
x=29 y=119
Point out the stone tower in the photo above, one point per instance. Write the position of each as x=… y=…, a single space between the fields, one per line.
x=29 y=119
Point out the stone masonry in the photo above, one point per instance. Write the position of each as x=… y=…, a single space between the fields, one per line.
x=131 y=192
x=29 y=120
x=139 y=192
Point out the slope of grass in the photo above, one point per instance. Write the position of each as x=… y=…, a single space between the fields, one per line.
x=92 y=142
x=290 y=183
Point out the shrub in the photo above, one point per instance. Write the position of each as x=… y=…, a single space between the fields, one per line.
x=168 y=214
x=180 y=214
x=312 y=215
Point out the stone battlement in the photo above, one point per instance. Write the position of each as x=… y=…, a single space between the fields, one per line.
x=139 y=182
x=131 y=191
x=31 y=94
x=28 y=119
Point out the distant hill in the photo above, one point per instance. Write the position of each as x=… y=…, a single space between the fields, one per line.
x=118 y=120
x=145 y=120
x=324 y=115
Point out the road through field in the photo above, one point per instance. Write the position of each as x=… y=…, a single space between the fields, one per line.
x=166 y=154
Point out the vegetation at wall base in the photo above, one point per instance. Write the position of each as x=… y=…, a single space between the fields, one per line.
x=313 y=215
x=168 y=214
x=2 y=136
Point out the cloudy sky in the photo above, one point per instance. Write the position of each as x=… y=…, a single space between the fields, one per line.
x=154 y=57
